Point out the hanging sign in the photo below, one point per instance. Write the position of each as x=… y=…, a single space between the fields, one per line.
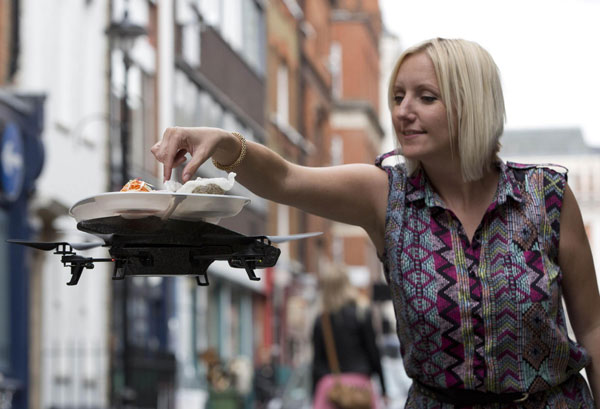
x=12 y=163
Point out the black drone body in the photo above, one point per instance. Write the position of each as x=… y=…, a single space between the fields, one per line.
x=151 y=246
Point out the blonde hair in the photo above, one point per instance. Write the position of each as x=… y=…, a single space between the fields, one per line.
x=471 y=91
x=335 y=287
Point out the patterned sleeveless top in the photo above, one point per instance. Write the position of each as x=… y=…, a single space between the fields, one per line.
x=484 y=315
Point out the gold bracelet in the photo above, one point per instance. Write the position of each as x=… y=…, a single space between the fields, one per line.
x=229 y=168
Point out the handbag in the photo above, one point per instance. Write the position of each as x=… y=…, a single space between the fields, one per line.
x=344 y=394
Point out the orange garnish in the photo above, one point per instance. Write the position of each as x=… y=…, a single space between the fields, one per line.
x=136 y=185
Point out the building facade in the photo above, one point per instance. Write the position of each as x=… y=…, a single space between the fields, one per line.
x=281 y=72
x=21 y=159
x=219 y=80
x=356 y=132
x=22 y=153
x=63 y=53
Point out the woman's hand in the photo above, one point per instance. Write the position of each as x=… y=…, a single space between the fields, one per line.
x=201 y=143
x=354 y=194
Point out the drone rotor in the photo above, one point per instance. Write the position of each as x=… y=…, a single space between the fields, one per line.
x=61 y=247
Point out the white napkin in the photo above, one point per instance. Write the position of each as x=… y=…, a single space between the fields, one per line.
x=203 y=185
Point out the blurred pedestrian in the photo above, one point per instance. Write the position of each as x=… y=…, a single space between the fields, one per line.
x=346 y=324
x=397 y=382
x=478 y=253
x=390 y=346
x=265 y=382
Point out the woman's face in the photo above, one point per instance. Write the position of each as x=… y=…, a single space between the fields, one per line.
x=418 y=114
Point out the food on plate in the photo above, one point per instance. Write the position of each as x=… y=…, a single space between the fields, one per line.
x=215 y=186
x=137 y=185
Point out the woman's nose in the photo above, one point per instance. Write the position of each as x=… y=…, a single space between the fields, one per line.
x=405 y=110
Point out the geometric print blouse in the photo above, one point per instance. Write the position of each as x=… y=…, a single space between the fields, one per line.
x=488 y=314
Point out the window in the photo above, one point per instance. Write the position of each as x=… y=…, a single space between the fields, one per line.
x=242 y=24
x=283 y=110
x=232 y=29
x=335 y=67
x=191 y=44
x=212 y=12
x=337 y=150
x=143 y=129
x=4 y=296
x=253 y=47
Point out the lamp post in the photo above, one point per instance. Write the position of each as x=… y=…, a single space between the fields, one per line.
x=123 y=35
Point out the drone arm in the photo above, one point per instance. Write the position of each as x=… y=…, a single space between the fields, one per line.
x=77 y=264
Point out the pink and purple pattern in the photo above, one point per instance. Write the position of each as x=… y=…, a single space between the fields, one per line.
x=484 y=314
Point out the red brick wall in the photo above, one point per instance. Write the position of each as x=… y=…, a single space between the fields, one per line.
x=5 y=27
x=317 y=42
x=360 y=61
x=354 y=251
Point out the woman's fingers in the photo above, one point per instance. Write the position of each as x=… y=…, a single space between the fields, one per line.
x=200 y=143
x=168 y=149
x=179 y=158
x=155 y=148
x=197 y=159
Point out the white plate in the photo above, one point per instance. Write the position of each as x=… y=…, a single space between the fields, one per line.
x=181 y=206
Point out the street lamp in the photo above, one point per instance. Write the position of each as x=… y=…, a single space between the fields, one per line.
x=123 y=35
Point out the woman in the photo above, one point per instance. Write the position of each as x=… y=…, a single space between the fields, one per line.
x=353 y=338
x=477 y=253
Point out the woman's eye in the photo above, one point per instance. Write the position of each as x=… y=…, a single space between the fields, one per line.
x=398 y=98
x=428 y=99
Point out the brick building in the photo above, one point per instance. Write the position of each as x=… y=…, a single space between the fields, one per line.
x=322 y=105
x=356 y=133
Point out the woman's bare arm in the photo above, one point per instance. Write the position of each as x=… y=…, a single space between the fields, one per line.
x=580 y=286
x=353 y=194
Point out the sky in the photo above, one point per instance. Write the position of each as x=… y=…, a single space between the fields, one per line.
x=548 y=52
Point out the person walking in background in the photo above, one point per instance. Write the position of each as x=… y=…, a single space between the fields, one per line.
x=478 y=253
x=351 y=334
x=265 y=379
x=397 y=383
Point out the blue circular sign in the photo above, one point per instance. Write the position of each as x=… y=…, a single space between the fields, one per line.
x=12 y=163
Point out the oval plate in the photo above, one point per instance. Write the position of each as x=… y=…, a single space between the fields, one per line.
x=167 y=205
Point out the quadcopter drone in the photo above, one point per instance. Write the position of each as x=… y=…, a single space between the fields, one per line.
x=151 y=246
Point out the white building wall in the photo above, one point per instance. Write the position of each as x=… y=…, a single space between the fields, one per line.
x=63 y=55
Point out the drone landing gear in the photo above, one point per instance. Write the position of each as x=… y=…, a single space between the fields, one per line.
x=249 y=267
x=202 y=279
x=200 y=268
x=118 y=270
x=248 y=264
x=77 y=264
x=75 y=274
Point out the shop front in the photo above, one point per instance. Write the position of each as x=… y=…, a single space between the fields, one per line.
x=21 y=161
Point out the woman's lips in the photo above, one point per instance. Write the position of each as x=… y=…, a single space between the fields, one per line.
x=412 y=134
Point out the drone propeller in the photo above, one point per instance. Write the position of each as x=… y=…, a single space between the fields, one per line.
x=47 y=246
x=283 y=239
